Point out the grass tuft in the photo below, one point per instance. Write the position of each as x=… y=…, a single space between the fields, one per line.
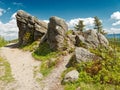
x=7 y=77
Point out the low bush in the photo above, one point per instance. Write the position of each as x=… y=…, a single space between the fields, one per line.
x=104 y=72
x=30 y=47
x=43 y=52
x=3 y=42
x=47 y=56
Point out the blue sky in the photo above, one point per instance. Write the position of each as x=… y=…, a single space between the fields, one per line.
x=71 y=10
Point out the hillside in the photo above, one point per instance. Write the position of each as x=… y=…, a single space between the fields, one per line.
x=48 y=56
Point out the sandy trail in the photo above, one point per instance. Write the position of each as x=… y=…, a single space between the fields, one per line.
x=22 y=65
x=53 y=81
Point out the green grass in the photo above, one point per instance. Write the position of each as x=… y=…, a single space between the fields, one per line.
x=31 y=47
x=8 y=76
x=91 y=86
x=13 y=41
x=3 y=42
x=43 y=52
x=69 y=32
x=45 y=69
x=47 y=57
x=99 y=74
x=114 y=42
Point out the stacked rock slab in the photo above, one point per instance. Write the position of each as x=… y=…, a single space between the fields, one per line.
x=94 y=39
x=56 y=33
x=30 y=28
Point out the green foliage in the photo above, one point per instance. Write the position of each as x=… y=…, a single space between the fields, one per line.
x=80 y=26
x=30 y=47
x=114 y=42
x=90 y=86
x=47 y=56
x=3 y=42
x=43 y=52
x=70 y=87
x=69 y=32
x=13 y=41
x=98 y=26
x=26 y=36
x=8 y=76
x=103 y=72
x=46 y=67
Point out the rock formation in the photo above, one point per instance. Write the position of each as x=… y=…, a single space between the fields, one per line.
x=30 y=28
x=83 y=55
x=55 y=36
x=89 y=39
x=94 y=39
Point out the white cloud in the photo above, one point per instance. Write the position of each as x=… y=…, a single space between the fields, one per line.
x=47 y=21
x=116 y=23
x=9 y=30
x=116 y=15
x=17 y=4
x=113 y=30
x=87 y=21
x=13 y=16
x=2 y=11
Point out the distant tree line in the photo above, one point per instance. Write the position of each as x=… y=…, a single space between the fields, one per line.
x=97 y=26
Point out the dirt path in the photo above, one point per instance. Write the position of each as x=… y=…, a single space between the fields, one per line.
x=22 y=65
x=53 y=81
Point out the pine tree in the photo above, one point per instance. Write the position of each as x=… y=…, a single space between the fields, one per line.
x=98 y=24
x=80 y=26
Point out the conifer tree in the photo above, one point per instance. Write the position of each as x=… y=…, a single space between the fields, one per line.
x=80 y=26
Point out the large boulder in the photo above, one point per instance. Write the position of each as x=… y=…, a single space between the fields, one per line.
x=56 y=33
x=94 y=39
x=83 y=55
x=30 y=28
x=71 y=76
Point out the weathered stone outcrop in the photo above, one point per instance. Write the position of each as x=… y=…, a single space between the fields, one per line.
x=88 y=39
x=30 y=28
x=56 y=33
x=83 y=55
x=94 y=39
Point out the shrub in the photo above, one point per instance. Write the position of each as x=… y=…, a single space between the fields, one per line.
x=43 y=52
x=3 y=42
x=47 y=56
x=30 y=47
x=105 y=72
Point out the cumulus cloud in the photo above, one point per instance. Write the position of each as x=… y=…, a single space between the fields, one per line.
x=113 y=30
x=2 y=11
x=87 y=21
x=116 y=16
x=116 y=23
x=9 y=30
